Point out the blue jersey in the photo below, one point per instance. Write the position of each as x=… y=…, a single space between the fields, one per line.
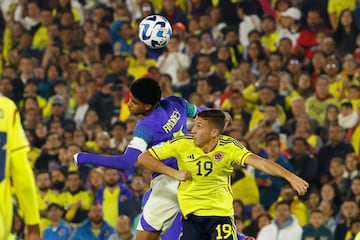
x=165 y=122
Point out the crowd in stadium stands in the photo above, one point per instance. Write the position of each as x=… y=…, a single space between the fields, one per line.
x=288 y=72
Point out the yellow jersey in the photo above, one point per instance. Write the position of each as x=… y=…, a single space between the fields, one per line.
x=15 y=170
x=44 y=201
x=209 y=192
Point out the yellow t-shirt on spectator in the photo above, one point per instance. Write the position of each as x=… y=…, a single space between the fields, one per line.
x=270 y=41
x=40 y=38
x=138 y=70
x=337 y=6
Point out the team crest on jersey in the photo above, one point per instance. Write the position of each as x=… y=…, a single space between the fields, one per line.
x=61 y=232
x=218 y=156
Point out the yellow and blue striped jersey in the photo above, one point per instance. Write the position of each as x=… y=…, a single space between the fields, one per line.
x=209 y=192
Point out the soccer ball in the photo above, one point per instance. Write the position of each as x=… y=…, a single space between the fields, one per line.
x=155 y=31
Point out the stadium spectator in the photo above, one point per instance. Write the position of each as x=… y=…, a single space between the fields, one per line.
x=94 y=227
x=75 y=199
x=123 y=229
x=112 y=196
x=351 y=161
x=132 y=207
x=297 y=206
x=45 y=197
x=301 y=159
x=354 y=192
x=290 y=25
x=336 y=147
x=284 y=225
x=316 y=229
x=172 y=60
x=58 y=229
x=329 y=210
x=337 y=169
x=349 y=212
x=256 y=210
x=270 y=185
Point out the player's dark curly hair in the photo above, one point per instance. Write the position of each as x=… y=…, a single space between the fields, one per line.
x=147 y=90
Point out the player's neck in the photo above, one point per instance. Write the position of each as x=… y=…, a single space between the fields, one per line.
x=148 y=112
x=210 y=146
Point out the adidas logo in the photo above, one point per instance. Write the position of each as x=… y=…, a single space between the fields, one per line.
x=191 y=156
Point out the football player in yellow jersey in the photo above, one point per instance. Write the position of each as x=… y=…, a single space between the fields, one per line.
x=15 y=171
x=205 y=165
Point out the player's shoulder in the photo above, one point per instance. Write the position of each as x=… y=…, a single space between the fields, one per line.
x=184 y=138
x=172 y=100
x=7 y=103
x=7 y=106
x=229 y=141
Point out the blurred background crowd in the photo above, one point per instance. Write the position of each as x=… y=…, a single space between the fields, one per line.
x=288 y=72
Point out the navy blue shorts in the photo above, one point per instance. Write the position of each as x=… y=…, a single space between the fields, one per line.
x=208 y=228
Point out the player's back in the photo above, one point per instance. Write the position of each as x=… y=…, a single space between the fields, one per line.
x=10 y=141
x=166 y=121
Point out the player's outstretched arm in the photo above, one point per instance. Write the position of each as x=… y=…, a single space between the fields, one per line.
x=148 y=161
x=275 y=169
x=123 y=162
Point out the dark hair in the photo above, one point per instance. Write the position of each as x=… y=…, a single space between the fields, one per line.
x=282 y=203
x=340 y=32
x=355 y=220
x=215 y=117
x=119 y=123
x=347 y=105
x=272 y=136
x=316 y=211
x=147 y=90
x=301 y=139
x=42 y=171
x=69 y=173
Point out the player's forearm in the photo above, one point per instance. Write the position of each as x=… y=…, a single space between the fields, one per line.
x=32 y=232
x=24 y=186
x=124 y=162
x=268 y=166
x=156 y=165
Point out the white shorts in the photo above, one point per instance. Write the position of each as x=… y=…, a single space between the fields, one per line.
x=161 y=208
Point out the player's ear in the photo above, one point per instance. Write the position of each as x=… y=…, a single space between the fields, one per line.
x=215 y=132
x=148 y=107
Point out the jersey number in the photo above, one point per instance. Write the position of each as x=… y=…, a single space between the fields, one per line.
x=204 y=168
x=224 y=231
x=2 y=155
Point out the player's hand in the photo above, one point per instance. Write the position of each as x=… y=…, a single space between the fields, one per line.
x=183 y=175
x=32 y=232
x=300 y=185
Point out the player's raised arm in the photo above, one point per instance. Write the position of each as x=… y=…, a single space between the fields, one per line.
x=275 y=169
x=150 y=162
